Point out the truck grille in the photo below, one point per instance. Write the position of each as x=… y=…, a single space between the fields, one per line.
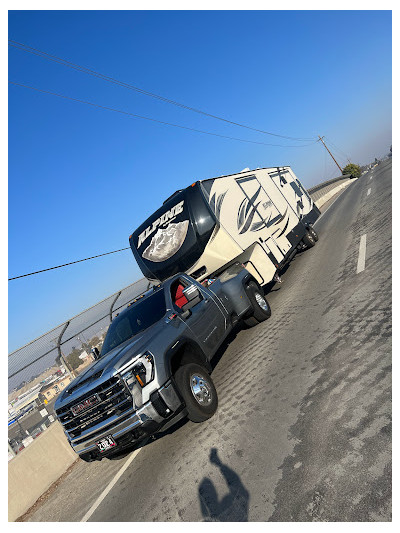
x=114 y=399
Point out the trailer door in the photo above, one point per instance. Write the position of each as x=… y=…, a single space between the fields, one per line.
x=260 y=218
x=295 y=194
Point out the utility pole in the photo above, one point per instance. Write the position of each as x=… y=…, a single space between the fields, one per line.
x=321 y=139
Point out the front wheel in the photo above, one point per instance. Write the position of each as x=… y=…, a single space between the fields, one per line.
x=198 y=391
x=261 y=309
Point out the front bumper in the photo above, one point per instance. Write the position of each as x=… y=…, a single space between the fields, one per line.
x=133 y=425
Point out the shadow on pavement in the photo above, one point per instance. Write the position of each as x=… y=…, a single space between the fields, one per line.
x=233 y=507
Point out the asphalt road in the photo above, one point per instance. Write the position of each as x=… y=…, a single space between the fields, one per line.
x=303 y=428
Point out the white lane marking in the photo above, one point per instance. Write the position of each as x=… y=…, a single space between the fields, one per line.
x=370 y=177
x=369 y=191
x=109 y=486
x=361 y=253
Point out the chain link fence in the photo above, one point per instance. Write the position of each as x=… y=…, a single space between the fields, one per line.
x=41 y=368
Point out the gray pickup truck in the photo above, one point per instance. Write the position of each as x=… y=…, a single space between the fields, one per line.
x=154 y=366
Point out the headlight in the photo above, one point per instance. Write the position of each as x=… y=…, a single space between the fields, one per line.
x=142 y=371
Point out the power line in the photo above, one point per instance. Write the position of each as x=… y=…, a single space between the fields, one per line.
x=136 y=116
x=337 y=155
x=69 y=64
x=338 y=149
x=155 y=120
x=66 y=264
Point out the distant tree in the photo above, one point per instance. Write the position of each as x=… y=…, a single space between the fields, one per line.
x=73 y=359
x=94 y=341
x=352 y=169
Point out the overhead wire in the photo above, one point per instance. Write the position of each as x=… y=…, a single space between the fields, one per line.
x=338 y=149
x=112 y=80
x=115 y=110
x=45 y=55
x=66 y=264
x=341 y=158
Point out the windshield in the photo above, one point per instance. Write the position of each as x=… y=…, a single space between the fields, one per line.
x=134 y=320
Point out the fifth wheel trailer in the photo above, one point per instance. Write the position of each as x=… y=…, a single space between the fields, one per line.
x=256 y=217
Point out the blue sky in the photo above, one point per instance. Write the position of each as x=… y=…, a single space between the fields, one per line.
x=81 y=178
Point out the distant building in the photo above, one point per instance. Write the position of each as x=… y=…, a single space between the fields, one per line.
x=50 y=391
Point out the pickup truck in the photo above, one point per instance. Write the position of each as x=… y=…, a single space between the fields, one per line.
x=154 y=366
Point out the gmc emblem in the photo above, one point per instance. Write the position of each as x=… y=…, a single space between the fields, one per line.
x=86 y=404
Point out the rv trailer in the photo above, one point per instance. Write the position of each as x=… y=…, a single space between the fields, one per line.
x=256 y=217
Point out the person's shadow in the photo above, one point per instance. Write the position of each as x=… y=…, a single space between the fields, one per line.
x=234 y=507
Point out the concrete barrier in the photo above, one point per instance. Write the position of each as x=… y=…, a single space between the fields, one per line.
x=319 y=190
x=36 y=468
x=328 y=195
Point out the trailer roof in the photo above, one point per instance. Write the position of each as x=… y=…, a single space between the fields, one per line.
x=224 y=176
x=245 y=172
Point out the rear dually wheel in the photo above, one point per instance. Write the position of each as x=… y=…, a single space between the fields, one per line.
x=261 y=309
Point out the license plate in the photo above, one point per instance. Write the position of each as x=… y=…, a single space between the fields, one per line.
x=106 y=443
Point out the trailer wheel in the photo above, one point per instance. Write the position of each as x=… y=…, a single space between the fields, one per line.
x=313 y=233
x=308 y=240
x=198 y=391
x=261 y=309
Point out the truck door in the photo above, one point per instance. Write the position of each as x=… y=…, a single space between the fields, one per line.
x=263 y=215
x=206 y=319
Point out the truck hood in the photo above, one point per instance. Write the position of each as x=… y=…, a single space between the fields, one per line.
x=108 y=365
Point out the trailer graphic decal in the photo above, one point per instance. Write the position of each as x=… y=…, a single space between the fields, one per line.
x=165 y=218
x=166 y=242
x=284 y=229
x=216 y=204
x=243 y=210
x=283 y=216
x=248 y=210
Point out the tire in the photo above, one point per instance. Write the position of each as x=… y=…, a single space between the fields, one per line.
x=313 y=233
x=308 y=240
x=198 y=391
x=261 y=309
